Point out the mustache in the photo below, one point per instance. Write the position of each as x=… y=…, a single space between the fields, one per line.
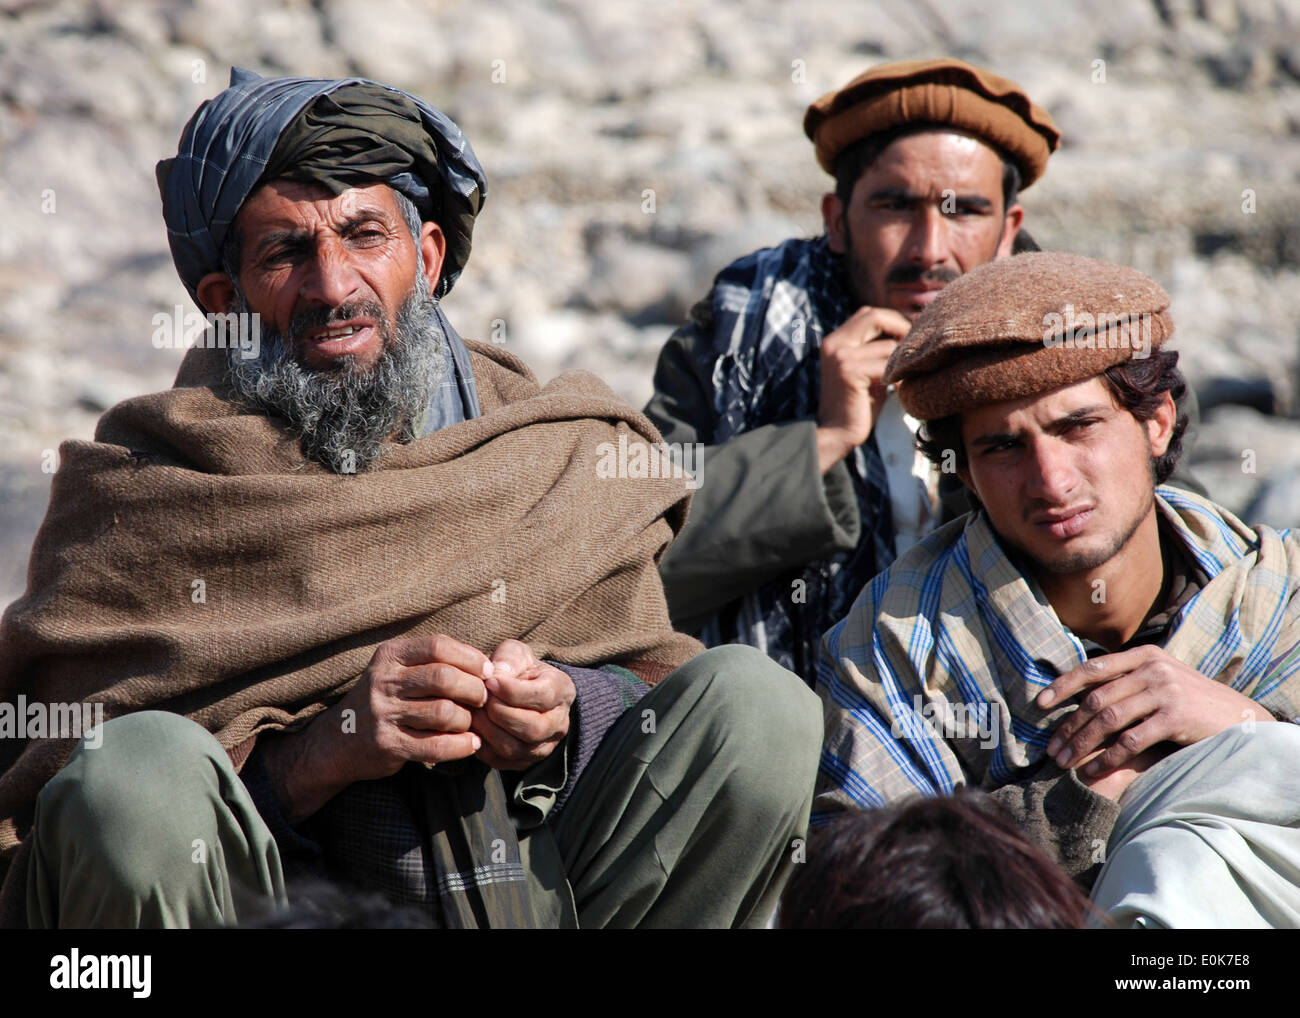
x=319 y=316
x=905 y=274
x=346 y=417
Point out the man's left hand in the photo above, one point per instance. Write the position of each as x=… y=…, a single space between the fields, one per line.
x=1140 y=697
x=527 y=711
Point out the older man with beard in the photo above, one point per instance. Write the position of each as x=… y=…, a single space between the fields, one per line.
x=362 y=607
x=344 y=408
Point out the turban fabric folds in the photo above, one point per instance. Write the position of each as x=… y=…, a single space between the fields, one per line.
x=339 y=133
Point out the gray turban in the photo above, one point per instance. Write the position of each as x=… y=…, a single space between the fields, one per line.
x=339 y=133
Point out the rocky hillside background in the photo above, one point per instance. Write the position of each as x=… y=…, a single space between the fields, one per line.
x=632 y=149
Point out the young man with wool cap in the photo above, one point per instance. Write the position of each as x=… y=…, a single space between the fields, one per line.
x=1131 y=647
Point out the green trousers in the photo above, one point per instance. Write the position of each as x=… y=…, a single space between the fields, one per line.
x=689 y=815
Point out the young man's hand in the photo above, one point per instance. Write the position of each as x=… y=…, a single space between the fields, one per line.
x=1137 y=699
x=1115 y=783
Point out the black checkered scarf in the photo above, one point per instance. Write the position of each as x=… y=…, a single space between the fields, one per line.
x=771 y=311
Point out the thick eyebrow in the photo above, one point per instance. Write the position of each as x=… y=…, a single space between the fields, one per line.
x=1074 y=416
x=976 y=201
x=903 y=195
x=896 y=194
x=994 y=438
x=358 y=218
x=1060 y=424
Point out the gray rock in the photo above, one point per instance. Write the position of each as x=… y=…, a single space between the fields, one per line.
x=1278 y=501
x=1230 y=431
x=637 y=280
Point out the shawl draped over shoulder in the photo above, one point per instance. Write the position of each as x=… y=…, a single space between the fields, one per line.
x=192 y=560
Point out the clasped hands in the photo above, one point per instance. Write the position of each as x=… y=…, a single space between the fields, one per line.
x=1140 y=706
x=434 y=699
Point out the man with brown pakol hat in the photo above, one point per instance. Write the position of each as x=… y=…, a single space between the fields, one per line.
x=356 y=599
x=813 y=484
x=1105 y=654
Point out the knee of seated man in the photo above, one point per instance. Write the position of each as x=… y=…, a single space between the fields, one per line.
x=130 y=775
x=764 y=716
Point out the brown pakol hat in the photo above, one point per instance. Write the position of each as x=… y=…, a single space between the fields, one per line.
x=945 y=91
x=1023 y=325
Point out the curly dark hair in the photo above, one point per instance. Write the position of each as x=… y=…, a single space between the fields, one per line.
x=1137 y=385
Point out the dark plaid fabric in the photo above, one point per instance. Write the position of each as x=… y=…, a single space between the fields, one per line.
x=440 y=839
x=771 y=311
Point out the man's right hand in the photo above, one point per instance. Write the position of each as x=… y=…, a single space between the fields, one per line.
x=853 y=360
x=412 y=702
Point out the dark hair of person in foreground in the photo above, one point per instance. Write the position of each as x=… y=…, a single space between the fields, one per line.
x=952 y=862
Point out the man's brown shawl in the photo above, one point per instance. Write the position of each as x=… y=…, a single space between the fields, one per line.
x=193 y=561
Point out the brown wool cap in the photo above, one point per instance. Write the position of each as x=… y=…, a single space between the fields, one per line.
x=1023 y=325
x=942 y=91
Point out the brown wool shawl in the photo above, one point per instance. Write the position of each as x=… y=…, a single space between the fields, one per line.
x=498 y=527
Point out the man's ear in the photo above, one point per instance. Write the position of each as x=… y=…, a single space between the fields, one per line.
x=216 y=293
x=1160 y=428
x=1011 y=224
x=833 y=217
x=433 y=248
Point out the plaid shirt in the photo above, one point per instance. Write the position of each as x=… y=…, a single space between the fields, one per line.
x=929 y=683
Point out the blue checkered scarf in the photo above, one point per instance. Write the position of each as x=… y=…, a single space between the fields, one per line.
x=771 y=311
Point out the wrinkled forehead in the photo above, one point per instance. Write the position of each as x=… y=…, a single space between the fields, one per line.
x=285 y=203
x=939 y=154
